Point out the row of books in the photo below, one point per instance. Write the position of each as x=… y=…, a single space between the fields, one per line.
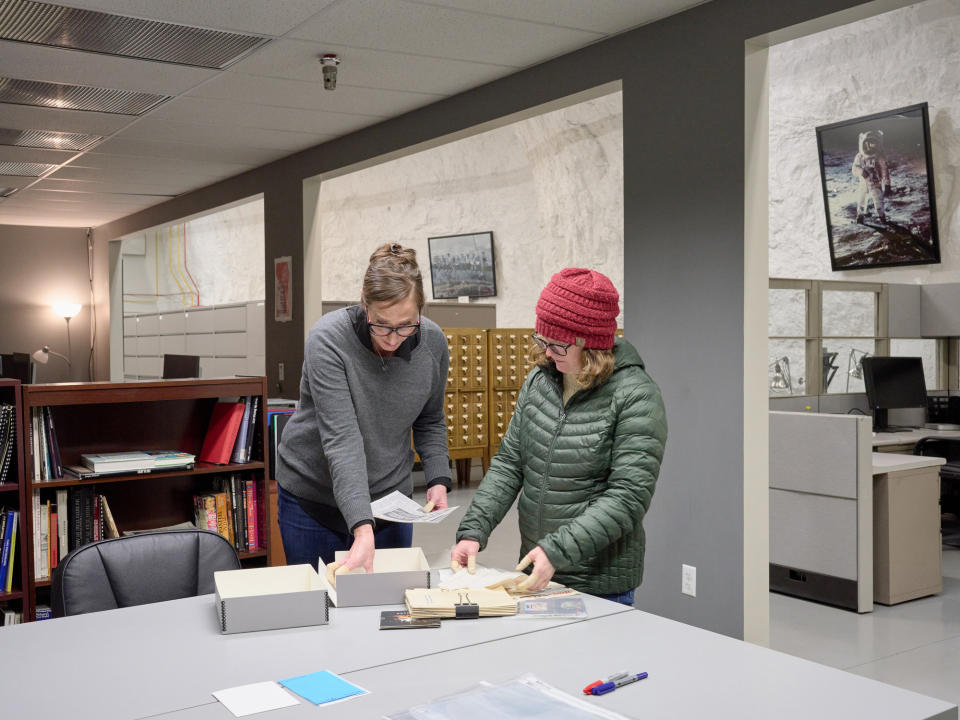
x=231 y=433
x=8 y=438
x=10 y=617
x=78 y=516
x=9 y=519
x=44 y=446
x=235 y=510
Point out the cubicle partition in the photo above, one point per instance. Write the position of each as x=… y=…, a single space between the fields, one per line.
x=821 y=508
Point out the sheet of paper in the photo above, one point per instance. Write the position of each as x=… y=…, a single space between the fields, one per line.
x=255 y=698
x=399 y=508
x=323 y=688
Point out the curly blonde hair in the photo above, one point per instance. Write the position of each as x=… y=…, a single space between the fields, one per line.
x=392 y=275
x=597 y=365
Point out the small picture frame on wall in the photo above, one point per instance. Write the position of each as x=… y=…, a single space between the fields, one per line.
x=283 y=289
x=878 y=194
x=462 y=266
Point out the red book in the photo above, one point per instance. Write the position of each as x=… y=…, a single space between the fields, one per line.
x=222 y=433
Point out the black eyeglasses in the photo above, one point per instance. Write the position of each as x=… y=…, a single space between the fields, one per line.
x=403 y=331
x=555 y=348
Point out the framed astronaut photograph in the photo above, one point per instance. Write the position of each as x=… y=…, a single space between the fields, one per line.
x=877 y=175
x=462 y=266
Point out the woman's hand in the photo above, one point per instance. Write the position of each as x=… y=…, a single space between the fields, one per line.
x=464 y=554
x=542 y=572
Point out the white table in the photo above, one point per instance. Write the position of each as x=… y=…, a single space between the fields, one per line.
x=145 y=660
x=693 y=674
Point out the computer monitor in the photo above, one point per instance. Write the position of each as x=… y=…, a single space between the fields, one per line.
x=15 y=365
x=181 y=366
x=893 y=382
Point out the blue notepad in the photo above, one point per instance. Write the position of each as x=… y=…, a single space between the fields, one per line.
x=322 y=687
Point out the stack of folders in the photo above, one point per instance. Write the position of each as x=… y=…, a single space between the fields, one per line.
x=430 y=603
x=8 y=439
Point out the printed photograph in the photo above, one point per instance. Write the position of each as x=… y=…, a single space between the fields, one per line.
x=462 y=265
x=878 y=193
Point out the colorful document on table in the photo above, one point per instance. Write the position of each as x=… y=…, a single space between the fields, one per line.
x=322 y=688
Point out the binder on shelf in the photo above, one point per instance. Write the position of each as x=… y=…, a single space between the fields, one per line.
x=240 y=443
x=222 y=433
x=79 y=472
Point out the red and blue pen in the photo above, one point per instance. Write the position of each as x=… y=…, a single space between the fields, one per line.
x=610 y=678
x=613 y=684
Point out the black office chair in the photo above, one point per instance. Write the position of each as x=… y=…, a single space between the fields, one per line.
x=140 y=569
x=948 y=448
x=181 y=366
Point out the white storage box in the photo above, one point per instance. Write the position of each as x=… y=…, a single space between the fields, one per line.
x=394 y=571
x=270 y=598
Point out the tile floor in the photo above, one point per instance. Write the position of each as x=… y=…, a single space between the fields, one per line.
x=914 y=645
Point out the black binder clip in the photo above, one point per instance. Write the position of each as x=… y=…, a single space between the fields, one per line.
x=466 y=610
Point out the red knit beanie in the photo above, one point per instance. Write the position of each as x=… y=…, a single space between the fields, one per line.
x=579 y=303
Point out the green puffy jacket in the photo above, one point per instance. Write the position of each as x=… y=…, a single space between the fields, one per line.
x=585 y=473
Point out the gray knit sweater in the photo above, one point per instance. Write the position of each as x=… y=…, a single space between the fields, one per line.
x=349 y=440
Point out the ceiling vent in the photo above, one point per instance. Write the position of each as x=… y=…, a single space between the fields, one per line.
x=47 y=139
x=21 y=169
x=58 y=26
x=77 y=97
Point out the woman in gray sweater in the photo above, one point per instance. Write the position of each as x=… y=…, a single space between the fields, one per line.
x=372 y=373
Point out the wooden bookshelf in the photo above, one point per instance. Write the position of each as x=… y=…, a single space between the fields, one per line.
x=13 y=495
x=103 y=417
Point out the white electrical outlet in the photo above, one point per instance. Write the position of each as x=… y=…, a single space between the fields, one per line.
x=689 y=584
x=280 y=372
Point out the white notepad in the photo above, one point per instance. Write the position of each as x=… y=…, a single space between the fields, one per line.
x=255 y=698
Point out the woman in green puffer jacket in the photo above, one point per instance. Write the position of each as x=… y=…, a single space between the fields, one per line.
x=583 y=449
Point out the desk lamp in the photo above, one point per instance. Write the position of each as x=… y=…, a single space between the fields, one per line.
x=42 y=356
x=781 y=375
x=855 y=365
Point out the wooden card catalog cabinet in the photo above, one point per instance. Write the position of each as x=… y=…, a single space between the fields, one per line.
x=509 y=353
x=466 y=402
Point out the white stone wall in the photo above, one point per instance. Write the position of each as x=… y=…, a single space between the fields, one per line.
x=893 y=60
x=221 y=255
x=550 y=188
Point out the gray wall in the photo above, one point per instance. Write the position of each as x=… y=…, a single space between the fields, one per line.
x=683 y=95
x=40 y=266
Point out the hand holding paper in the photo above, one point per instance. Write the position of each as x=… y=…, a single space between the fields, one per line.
x=399 y=508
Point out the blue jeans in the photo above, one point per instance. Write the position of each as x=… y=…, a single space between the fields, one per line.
x=305 y=540
x=624 y=598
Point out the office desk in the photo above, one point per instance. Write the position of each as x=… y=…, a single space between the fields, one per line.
x=694 y=674
x=906 y=527
x=849 y=526
x=144 y=660
x=904 y=442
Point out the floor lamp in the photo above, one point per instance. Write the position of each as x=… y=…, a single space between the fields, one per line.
x=42 y=356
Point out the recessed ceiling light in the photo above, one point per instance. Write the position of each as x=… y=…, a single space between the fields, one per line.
x=41 y=23
x=47 y=139
x=24 y=169
x=77 y=97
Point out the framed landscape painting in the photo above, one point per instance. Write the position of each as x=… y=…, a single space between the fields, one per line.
x=462 y=266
